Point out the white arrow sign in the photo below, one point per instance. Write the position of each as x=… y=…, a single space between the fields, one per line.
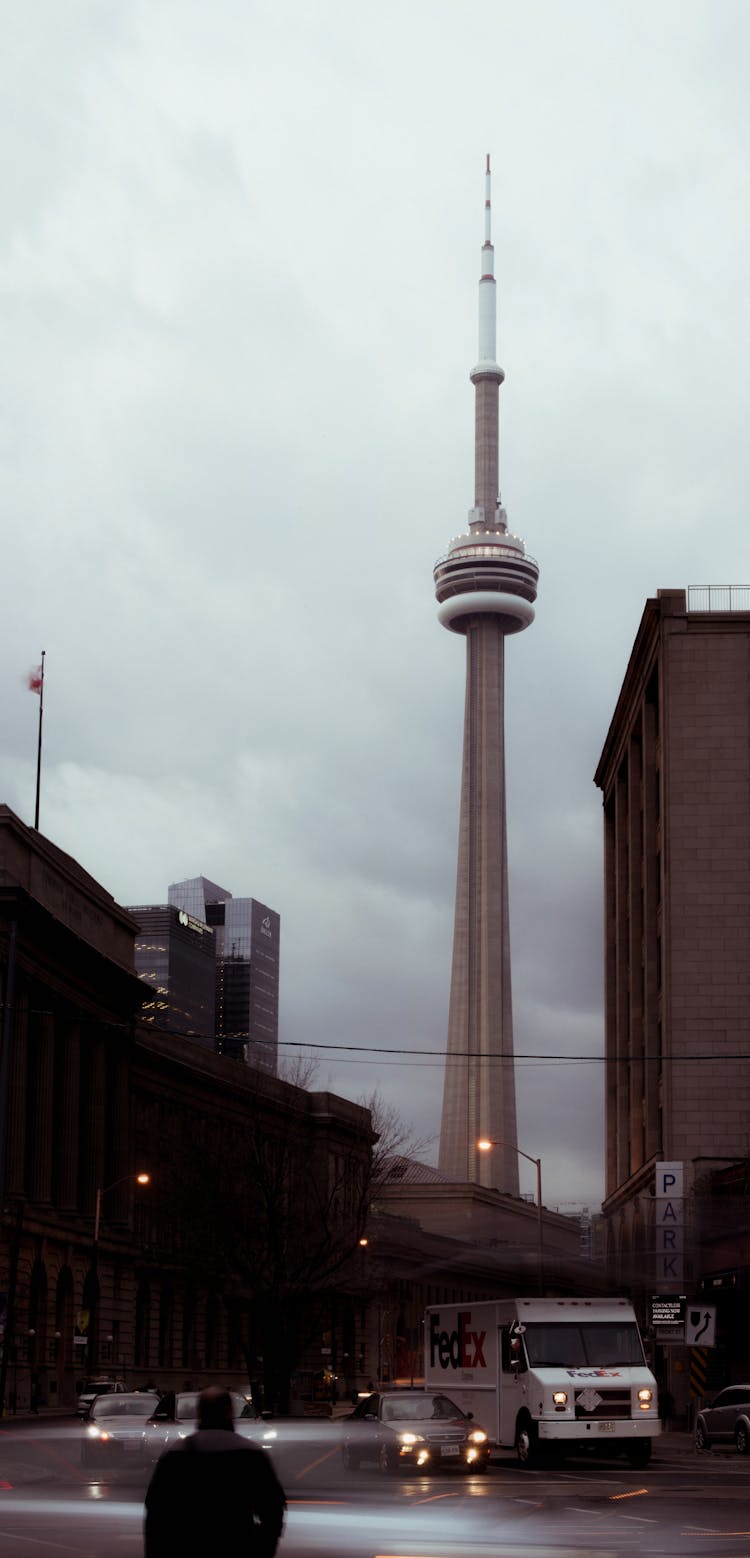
x=700 y=1325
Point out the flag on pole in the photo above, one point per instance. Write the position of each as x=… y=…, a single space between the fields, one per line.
x=36 y=684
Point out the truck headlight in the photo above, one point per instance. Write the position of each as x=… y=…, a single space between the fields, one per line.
x=478 y=1436
x=645 y=1397
x=560 y=1398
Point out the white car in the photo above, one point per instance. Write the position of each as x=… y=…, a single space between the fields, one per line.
x=176 y=1416
x=98 y=1387
x=113 y=1428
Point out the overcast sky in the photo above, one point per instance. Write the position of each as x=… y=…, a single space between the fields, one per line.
x=240 y=254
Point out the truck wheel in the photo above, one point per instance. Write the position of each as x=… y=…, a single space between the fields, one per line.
x=639 y=1453
x=527 y=1444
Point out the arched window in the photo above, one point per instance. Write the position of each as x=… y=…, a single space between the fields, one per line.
x=64 y=1316
x=90 y=1307
x=212 y=1330
x=188 y=1328
x=38 y=1313
x=142 y=1326
x=166 y=1326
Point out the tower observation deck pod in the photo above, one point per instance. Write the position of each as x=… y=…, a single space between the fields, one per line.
x=486 y=586
x=486 y=569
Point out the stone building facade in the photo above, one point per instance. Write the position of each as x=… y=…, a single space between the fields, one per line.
x=97 y=1273
x=675 y=780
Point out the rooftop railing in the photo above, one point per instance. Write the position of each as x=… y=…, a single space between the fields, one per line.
x=718 y=597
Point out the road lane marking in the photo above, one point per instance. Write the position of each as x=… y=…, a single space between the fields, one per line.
x=703 y=1531
x=320 y=1462
x=432 y=1498
x=40 y=1541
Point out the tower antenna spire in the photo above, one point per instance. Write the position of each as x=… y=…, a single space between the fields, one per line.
x=487 y=290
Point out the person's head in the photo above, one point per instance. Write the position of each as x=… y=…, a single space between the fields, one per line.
x=215 y=1408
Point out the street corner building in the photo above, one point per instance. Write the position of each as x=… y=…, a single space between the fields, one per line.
x=171 y=1278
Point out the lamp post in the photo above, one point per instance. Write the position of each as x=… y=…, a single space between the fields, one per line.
x=486 y=1146
x=101 y=1191
x=139 y=1179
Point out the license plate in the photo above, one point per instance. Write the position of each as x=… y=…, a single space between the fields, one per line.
x=606 y=1428
x=449 y=1449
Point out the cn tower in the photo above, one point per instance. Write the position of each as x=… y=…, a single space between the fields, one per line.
x=486 y=588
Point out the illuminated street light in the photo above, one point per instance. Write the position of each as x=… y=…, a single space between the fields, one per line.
x=486 y=1146
x=139 y=1179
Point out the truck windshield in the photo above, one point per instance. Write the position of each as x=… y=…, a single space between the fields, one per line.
x=590 y=1345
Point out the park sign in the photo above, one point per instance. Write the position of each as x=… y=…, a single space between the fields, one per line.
x=669 y=1221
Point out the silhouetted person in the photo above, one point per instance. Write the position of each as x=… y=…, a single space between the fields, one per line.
x=666 y=1407
x=213 y=1492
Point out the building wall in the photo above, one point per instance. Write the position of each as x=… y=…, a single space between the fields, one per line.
x=675 y=778
x=87 y=1098
x=707 y=815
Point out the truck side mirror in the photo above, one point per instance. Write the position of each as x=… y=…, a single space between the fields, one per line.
x=516 y=1354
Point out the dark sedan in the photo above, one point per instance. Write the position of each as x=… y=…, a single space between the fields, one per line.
x=413 y=1428
x=113 y=1429
x=727 y=1421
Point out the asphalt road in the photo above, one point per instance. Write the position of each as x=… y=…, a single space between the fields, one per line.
x=50 y=1505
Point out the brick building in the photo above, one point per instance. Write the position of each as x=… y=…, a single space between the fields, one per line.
x=675 y=781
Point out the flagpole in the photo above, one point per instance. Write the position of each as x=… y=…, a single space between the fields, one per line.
x=39 y=744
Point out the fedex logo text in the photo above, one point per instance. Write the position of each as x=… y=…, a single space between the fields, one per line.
x=459 y=1349
x=594 y=1373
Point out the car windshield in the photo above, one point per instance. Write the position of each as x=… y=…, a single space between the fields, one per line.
x=413 y=1409
x=593 y=1344
x=124 y=1406
x=187 y=1407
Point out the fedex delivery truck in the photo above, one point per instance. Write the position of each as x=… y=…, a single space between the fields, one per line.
x=547 y=1375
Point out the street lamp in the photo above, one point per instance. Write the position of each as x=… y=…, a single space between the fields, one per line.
x=101 y=1191
x=486 y=1146
x=139 y=1179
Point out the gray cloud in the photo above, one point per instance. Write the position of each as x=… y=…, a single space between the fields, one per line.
x=238 y=272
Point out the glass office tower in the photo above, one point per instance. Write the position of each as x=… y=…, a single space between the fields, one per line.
x=246 y=941
x=175 y=955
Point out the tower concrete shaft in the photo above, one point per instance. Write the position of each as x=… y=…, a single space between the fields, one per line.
x=486 y=587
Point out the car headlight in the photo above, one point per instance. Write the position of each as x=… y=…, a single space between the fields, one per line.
x=92 y=1432
x=560 y=1398
x=411 y=1438
x=645 y=1397
x=477 y=1436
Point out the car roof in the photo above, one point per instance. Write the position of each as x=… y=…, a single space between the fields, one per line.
x=409 y=1394
x=123 y=1396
